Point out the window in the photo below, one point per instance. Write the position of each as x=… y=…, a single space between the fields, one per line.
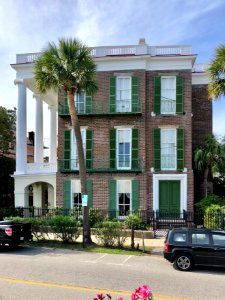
x=200 y=238
x=180 y=237
x=168 y=95
x=218 y=239
x=74 y=152
x=123 y=94
x=124 y=197
x=79 y=99
x=168 y=149
x=124 y=148
x=76 y=193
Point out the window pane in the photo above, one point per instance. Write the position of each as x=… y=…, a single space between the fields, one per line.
x=200 y=238
x=168 y=149
x=168 y=95
x=124 y=148
x=80 y=102
x=123 y=94
x=218 y=239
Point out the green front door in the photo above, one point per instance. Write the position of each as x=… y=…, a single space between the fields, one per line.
x=169 y=196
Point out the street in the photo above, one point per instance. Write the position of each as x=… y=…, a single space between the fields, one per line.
x=47 y=274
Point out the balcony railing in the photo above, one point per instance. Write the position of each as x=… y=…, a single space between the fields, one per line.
x=36 y=168
x=71 y=166
x=104 y=109
x=128 y=50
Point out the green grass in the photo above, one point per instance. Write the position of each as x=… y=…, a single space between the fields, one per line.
x=93 y=248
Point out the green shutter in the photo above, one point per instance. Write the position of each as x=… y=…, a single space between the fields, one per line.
x=88 y=104
x=89 y=148
x=135 y=195
x=135 y=94
x=157 y=95
x=67 y=148
x=89 y=192
x=112 y=148
x=67 y=194
x=179 y=95
x=112 y=94
x=157 y=149
x=65 y=105
x=135 y=148
x=180 y=149
x=112 y=199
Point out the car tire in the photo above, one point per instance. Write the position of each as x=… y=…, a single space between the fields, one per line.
x=183 y=262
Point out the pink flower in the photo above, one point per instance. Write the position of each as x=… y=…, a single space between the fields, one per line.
x=120 y=298
x=134 y=296
x=145 y=292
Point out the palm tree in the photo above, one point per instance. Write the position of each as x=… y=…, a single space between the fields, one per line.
x=68 y=66
x=217 y=73
x=207 y=159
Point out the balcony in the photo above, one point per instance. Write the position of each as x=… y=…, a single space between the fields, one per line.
x=103 y=109
x=98 y=166
x=41 y=168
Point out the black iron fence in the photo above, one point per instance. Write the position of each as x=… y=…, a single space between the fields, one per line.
x=154 y=219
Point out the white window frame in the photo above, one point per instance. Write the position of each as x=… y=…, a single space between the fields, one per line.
x=123 y=183
x=77 y=102
x=75 y=188
x=117 y=149
x=123 y=105
x=74 y=153
x=163 y=151
x=168 y=105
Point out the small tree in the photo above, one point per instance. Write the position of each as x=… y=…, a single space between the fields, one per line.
x=7 y=130
x=131 y=222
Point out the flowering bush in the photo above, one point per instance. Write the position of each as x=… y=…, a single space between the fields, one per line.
x=141 y=293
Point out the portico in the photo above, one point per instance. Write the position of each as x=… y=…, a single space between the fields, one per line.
x=38 y=176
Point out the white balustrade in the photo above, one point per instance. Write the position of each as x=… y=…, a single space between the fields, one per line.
x=120 y=50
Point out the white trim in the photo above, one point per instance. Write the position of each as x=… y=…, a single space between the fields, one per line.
x=183 y=189
x=117 y=148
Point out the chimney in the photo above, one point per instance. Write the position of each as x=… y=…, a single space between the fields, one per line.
x=142 y=41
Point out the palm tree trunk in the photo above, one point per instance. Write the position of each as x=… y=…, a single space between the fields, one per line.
x=82 y=166
x=206 y=181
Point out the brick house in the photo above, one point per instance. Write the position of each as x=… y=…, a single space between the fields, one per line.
x=138 y=131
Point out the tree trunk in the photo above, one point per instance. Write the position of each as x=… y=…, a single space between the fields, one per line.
x=206 y=181
x=82 y=166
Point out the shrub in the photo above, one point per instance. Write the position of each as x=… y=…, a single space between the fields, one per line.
x=207 y=202
x=40 y=228
x=65 y=228
x=110 y=233
x=95 y=217
x=214 y=216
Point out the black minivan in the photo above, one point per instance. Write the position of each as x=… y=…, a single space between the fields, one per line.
x=188 y=247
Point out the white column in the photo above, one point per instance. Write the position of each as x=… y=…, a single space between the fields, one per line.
x=38 y=143
x=21 y=128
x=53 y=147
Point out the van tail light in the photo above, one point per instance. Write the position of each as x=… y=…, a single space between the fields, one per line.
x=8 y=231
x=166 y=247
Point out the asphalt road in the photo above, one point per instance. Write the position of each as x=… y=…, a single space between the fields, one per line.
x=47 y=274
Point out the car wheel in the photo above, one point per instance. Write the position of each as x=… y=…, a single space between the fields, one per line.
x=183 y=262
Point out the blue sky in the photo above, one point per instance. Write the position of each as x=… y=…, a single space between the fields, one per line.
x=27 y=26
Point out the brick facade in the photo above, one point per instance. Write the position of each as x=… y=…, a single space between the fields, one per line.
x=195 y=127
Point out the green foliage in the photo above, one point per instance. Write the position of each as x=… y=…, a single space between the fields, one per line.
x=214 y=216
x=216 y=73
x=7 y=182
x=40 y=228
x=95 y=217
x=132 y=221
x=65 y=228
x=7 y=129
x=210 y=200
x=110 y=233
